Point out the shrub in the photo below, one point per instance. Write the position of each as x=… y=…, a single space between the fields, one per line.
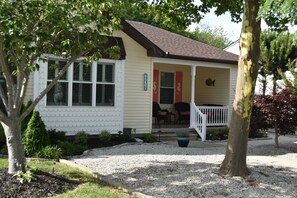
x=69 y=149
x=50 y=152
x=217 y=133
x=79 y=149
x=125 y=137
x=149 y=138
x=35 y=136
x=26 y=177
x=105 y=136
x=81 y=138
x=258 y=118
x=4 y=150
x=2 y=137
x=56 y=136
x=257 y=134
x=279 y=111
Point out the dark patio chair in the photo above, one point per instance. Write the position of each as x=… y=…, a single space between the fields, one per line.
x=160 y=114
x=183 y=111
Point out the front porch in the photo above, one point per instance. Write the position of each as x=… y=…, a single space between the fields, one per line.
x=206 y=89
x=215 y=116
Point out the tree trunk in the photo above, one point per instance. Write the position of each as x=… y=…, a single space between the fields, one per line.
x=276 y=136
x=16 y=156
x=234 y=163
x=264 y=81
x=274 y=86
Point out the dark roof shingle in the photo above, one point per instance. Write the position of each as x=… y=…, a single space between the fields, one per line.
x=172 y=45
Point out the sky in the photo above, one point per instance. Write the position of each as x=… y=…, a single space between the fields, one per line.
x=224 y=21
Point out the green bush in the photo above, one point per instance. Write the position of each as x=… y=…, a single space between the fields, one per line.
x=26 y=177
x=149 y=138
x=56 y=136
x=217 y=133
x=257 y=134
x=2 y=137
x=125 y=137
x=69 y=149
x=4 y=150
x=79 y=149
x=105 y=136
x=50 y=152
x=35 y=136
x=81 y=138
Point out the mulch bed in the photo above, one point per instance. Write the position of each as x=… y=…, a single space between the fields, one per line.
x=44 y=185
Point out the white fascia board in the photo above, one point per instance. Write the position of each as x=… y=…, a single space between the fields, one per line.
x=191 y=63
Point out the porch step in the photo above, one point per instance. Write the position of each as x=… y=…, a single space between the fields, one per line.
x=171 y=135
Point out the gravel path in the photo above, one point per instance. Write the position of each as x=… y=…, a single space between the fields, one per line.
x=165 y=170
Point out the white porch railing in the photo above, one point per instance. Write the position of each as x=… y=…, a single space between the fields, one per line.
x=203 y=116
x=215 y=116
x=198 y=121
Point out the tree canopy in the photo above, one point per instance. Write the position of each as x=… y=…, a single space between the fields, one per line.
x=69 y=29
x=216 y=37
x=278 y=49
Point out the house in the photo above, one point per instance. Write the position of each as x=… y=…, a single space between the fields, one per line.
x=155 y=65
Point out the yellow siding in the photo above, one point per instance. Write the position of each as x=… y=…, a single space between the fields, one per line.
x=186 y=86
x=218 y=94
x=137 y=102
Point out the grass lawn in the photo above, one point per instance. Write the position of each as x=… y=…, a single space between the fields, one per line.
x=89 y=186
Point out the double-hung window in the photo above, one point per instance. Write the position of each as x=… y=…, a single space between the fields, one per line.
x=87 y=88
x=105 y=86
x=82 y=85
x=58 y=95
x=167 y=88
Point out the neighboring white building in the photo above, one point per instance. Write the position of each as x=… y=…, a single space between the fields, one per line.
x=234 y=48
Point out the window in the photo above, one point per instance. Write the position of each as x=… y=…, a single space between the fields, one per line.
x=58 y=95
x=167 y=88
x=82 y=85
x=105 y=85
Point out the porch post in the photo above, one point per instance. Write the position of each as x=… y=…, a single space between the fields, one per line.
x=193 y=76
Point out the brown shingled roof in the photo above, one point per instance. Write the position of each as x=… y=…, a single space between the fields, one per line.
x=162 y=43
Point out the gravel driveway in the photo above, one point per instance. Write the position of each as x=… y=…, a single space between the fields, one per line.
x=165 y=170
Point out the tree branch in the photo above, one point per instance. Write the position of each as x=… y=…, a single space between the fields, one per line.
x=47 y=89
x=3 y=96
x=7 y=75
x=22 y=82
x=3 y=118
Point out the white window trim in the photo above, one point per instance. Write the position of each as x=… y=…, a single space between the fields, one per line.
x=94 y=82
x=104 y=82
x=81 y=82
x=174 y=77
x=46 y=80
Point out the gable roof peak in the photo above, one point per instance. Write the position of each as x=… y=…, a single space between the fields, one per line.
x=163 y=43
